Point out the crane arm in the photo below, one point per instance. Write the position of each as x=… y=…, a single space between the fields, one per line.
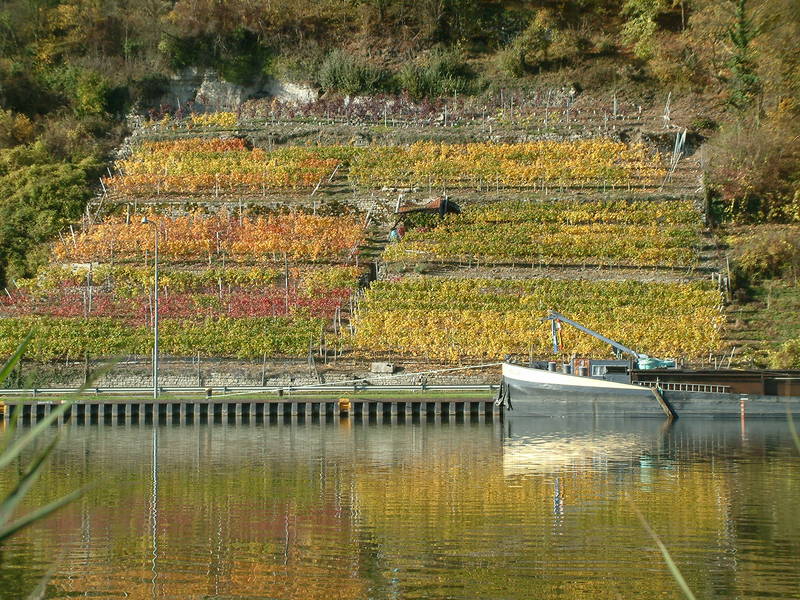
x=553 y=316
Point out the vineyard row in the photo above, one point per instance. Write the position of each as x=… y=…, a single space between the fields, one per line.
x=453 y=319
x=197 y=165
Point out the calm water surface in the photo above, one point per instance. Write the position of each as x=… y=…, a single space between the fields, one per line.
x=536 y=508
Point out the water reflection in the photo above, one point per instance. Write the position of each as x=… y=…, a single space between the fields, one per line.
x=537 y=508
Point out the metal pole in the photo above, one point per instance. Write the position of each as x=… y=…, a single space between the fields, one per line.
x=146 y=221
x=155 y=319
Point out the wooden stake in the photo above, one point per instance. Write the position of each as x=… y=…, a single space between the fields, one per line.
x=665 y=406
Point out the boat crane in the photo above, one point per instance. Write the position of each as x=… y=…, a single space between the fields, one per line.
x=643 y=360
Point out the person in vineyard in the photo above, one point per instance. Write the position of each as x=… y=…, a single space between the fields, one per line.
x=393 y=235
x=401 y=230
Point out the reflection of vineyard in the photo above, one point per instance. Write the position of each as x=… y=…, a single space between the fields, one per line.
x=433 y=513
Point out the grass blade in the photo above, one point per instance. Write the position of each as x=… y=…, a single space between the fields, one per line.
x=4 y=373
x=15 y=358
x=39 y=513
x=24 y=484
x=13 y=450
x=792 y=428
x=40 y=591
x=673 y=568
x=98 y=373
x=12 y=425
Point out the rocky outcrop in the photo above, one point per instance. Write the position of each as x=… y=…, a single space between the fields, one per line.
x=206 y=89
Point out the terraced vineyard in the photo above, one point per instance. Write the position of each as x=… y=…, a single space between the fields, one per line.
x=463 y=319
x=213 y=167
x=203 y=166
x=193 y=238
x=639 y=233
x=206 y=306
x=582 y=163
x=260 y=245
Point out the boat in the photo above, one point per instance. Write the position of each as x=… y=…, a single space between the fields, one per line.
x=536 y=391
x=533 y=392
x=640 y=386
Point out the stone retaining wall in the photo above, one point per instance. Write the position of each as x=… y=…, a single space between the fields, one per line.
x=234 y=373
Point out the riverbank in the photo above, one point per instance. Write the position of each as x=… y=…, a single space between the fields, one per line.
x=184 y=409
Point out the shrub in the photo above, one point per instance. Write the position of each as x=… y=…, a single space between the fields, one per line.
x=299 y=66
x=37 y=202
x=68 y=138
x=511 y=61
x=14 y=129
x=767 y=252
x=24 y=91
x=149 y=88
x=238 y=56
x=568 y=45
x=341 y=72
x=443 y=74
x=754 y=173
x=787 y=356
x=243 y=59
x=531 y=47
x=91 y=94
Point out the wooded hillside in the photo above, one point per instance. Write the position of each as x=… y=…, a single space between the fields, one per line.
x=71 y=70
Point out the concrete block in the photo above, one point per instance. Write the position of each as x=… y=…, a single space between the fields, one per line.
x=382 y=367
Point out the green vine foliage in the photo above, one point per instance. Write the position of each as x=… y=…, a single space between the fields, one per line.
x=62 y=338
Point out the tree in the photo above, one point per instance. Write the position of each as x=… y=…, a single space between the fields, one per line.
x=38 y=201
x=745 y=85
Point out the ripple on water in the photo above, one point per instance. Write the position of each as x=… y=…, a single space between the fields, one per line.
x=538 y=509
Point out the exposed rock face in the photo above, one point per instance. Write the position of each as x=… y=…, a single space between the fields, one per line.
x=290 y=92
x=183 y=87
x=205 y=88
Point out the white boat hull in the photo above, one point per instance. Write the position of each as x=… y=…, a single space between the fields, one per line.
x=536 y=392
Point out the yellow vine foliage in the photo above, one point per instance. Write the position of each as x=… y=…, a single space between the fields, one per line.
x=198 y=165
x=224 y=120
x=453 y=319
x=594 y=162
x=201 y=237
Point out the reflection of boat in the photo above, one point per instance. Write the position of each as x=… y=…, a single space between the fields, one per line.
x=548 y=454
x=551 y=445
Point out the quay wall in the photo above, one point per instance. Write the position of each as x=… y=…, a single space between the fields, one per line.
x=180 y=372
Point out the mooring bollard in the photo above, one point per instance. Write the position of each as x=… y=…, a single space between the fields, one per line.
x=344 y=407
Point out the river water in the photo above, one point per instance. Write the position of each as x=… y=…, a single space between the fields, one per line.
x=527 y=508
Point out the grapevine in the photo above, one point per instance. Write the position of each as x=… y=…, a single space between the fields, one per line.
x=203 y=237
x=487 y=319
x=628 y=233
